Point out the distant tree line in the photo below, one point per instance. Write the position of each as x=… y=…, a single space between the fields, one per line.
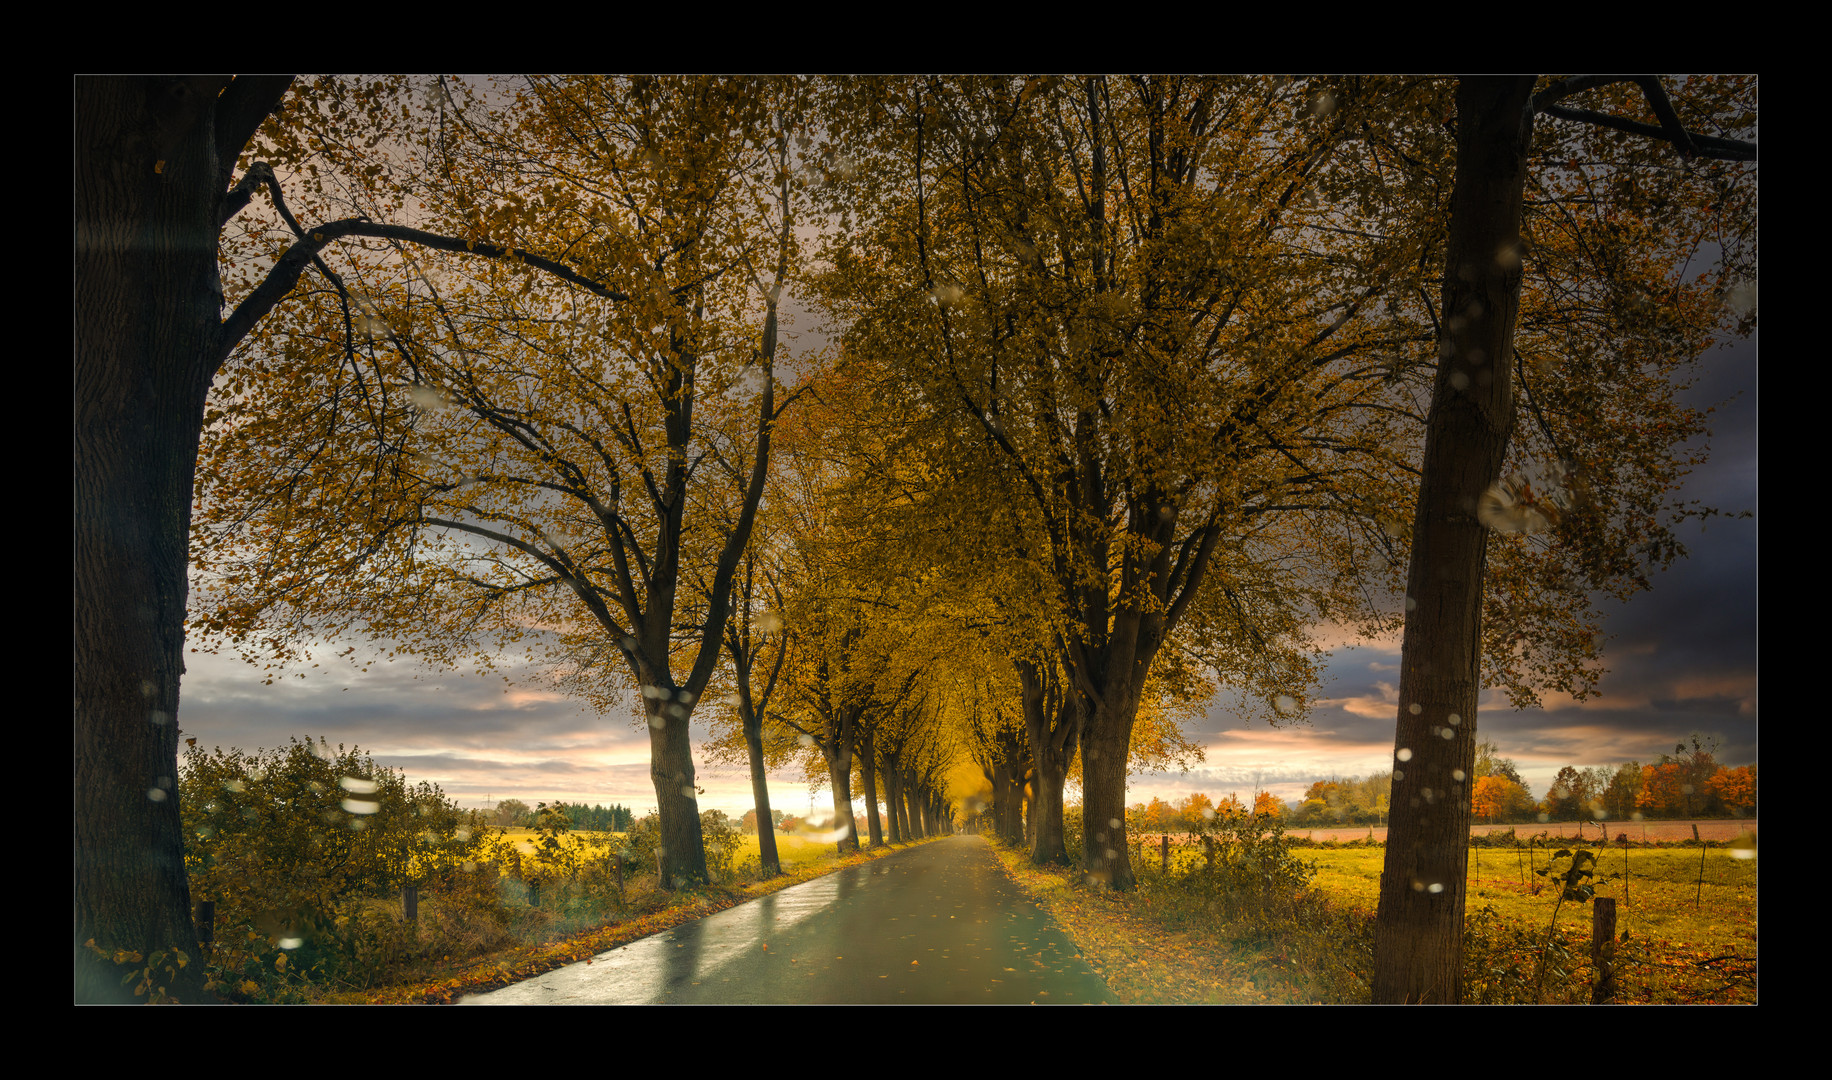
x=514 y=813
x=1687 y=783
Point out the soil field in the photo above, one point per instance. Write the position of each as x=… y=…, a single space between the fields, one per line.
x=1640 y=831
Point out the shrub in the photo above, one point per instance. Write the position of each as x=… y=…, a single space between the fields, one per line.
x=305 y=850
x=1255 y=874
x=722 y=840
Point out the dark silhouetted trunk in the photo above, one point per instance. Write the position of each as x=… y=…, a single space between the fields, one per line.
x=770 y=864
x=153 y=156
x=1419 y=943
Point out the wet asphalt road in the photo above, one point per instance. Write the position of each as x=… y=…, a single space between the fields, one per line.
x=936 y=924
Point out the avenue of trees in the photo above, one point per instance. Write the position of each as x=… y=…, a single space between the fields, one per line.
x=1130 y=383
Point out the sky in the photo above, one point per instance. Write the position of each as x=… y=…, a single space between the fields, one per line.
x=1681 y=658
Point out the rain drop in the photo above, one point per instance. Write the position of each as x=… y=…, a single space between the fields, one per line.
x=166 y=783
x=357 y=785
x=1398 y=775
x=805 y=740
x=155 y=794
x=1415 y=708
x=1411 y=604
x=1458 y=775
x=1435 y=887
x=1403 y=754
x=687 y=791
x=1447 y=733
x=1113 y=823
x=1455 y=719
x=1741 y=297
x=1285 y=704
x=424 y=398
x=1459 y=381
x=291 y=942
x=360 y=806
x=628 y=643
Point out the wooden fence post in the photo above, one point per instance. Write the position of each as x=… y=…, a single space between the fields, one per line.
x=410 y=902
x=1603 y=949
x=1164 y=853
x=206 y=926
x=1208 y=851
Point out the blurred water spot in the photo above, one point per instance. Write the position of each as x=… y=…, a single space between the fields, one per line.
x=1458 y=775
x=291 y=942
x=155 y=794
x=1741 y=297
x=1403 y=753
x=360 y=806
x=1455 y=719
x=357 y=784
x=1527 y=500
x=1415 y=708
x=428 y=399
x=1285 y=704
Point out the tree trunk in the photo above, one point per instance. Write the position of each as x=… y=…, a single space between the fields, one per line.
x=1103 y=824
x=770 y=863
x=839 y=774
x=893 y=798
x=1050 y=762
x=147 y=308
x=1419 y=940
x=683 y=854
x=868 y=773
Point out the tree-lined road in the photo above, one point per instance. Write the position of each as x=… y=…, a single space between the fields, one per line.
x=937 y=924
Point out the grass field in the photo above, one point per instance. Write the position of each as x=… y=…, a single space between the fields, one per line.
x=1686 y=941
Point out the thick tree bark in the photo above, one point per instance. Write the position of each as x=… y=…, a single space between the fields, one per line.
x=1419 y=942
x=1052 y=750
x=1103 y=767
x=683 y=854
x=839 y=775
x=149 y=181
